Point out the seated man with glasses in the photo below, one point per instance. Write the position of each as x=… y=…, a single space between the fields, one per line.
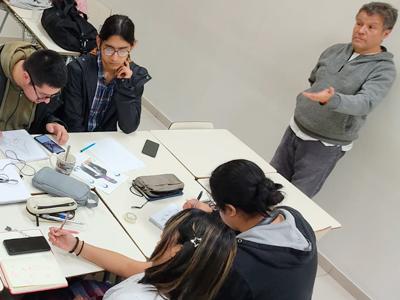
x=105 y=90
x=29 y=80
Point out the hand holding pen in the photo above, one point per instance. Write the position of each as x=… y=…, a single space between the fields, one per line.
x=196 y=203
x=63 y=222
x=198 y=199
x=62 y=238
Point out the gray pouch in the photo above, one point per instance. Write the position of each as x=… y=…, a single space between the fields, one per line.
x=57 y=184
x=155 y=187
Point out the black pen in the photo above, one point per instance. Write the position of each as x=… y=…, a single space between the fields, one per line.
x=198 y=198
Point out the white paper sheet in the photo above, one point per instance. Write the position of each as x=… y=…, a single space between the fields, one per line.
x=12 y=192
x=107 y=184
x=22 y=144
x=114 y=156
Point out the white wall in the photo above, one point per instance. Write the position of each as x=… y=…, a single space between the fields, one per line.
x=240 y=64
x=11 y=27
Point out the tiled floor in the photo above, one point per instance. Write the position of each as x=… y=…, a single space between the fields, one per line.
x=326 y=288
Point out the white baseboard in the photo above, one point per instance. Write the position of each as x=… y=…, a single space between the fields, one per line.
x=156 y=112
x=341 y=278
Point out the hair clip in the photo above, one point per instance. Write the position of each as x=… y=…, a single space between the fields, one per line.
x=195 y=241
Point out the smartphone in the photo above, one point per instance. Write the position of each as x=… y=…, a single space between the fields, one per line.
x=150 y=148
x=26 y=245
x=49 y=144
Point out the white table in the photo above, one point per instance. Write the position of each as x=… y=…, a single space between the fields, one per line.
x=320 y=220
x=145 y=234
x=202 y=150
x=97 y=13
x=100 y=229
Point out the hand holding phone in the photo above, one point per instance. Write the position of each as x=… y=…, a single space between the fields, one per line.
x=49 y=144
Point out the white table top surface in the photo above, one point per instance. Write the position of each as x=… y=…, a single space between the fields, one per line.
x=202 y=150
x=100 y=229
x=311 y=211
x=145 y=234
x=32 y=22
x=103 y=226
x=97 y=13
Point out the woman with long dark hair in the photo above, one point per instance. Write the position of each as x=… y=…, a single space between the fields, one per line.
x=105 y=89
x=191 y=261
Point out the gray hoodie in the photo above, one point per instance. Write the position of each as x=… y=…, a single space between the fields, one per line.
x=360 y=84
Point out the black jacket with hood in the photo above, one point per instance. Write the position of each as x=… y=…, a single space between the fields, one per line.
x=78 y=95
x=267 y=272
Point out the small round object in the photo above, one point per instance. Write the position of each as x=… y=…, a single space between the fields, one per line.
x=130 y=217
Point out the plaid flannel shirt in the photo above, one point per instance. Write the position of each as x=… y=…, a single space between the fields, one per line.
x=102 y=97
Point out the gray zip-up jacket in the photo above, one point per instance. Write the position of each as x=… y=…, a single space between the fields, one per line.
x=360 y=84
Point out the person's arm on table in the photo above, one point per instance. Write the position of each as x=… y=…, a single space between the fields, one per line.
x=111 y=261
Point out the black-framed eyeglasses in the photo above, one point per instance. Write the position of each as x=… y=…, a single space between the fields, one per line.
x=109 y=51
x=41 y=98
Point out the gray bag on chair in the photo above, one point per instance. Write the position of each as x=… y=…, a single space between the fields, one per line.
x=57 y=184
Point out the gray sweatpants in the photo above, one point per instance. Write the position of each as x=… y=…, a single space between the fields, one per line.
x=306 y=164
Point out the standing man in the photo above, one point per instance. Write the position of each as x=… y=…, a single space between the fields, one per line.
x=348 y=81
x=29 y=80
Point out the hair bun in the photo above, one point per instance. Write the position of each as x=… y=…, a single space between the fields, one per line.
x=269 y=191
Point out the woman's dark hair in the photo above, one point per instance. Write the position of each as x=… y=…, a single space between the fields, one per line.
x=199 y=269
x=243 y=184
x=118 y=25
x=46 y=67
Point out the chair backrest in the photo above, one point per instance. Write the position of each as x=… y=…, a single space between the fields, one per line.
x=191 y=125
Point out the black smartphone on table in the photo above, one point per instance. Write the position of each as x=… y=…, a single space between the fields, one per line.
x=26 y=245
x=49 y=144
x=150 y=148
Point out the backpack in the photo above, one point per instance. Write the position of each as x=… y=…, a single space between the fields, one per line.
x=69 y=27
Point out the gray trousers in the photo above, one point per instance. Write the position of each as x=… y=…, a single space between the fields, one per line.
x=306 y=164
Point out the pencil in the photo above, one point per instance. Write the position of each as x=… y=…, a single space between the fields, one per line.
x=63 y=223
x=198 y=198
